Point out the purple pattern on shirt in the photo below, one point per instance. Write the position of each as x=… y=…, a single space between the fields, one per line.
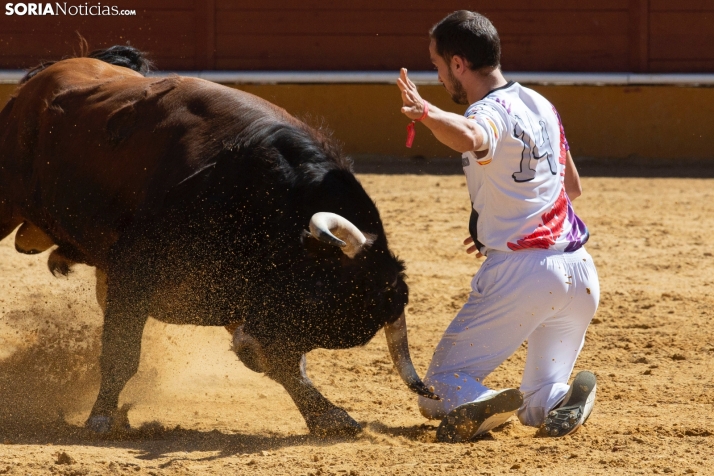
x=578 y=234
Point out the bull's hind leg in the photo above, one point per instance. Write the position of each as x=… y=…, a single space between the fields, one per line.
x=323 y=418
x=124 y=319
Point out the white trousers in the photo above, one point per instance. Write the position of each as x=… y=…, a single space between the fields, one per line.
x=545 y=297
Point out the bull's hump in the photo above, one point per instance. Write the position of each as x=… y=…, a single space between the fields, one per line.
x=88 y=69
x=235 y=97
x=83 y=73
x=75 y=76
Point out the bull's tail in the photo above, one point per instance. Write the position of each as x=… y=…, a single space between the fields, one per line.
x=118 y=55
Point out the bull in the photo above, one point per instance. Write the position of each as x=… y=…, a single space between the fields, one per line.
x=199 y=204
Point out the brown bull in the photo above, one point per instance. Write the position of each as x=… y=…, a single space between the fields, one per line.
x=192 y=200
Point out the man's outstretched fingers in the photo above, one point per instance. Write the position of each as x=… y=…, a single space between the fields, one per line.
x=409 y=81
x=412 y=103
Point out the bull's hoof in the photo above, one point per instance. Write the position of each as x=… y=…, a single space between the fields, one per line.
x=100 y=424
x=334 y=422
x=59 y=264
x=110 y=422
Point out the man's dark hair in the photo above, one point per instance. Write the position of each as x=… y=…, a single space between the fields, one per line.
x=469 y=35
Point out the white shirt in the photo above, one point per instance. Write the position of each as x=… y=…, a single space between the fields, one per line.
x=516 y=186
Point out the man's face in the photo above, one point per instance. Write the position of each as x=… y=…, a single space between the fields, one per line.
x=446 y=76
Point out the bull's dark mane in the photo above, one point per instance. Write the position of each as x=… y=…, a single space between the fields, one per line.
x=119 y=55
x=303 y=153
x=285 y=172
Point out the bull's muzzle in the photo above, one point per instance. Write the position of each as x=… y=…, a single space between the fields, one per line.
x=335 y=230
x=398 y=344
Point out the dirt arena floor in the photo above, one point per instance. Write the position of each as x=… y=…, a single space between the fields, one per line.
x=196 y=409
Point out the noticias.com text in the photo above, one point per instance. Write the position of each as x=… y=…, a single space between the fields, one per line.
x=61 y=8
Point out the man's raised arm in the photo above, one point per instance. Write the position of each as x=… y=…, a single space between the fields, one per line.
x=450 y=129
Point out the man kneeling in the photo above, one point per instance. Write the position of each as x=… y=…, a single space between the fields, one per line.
x=537 y=283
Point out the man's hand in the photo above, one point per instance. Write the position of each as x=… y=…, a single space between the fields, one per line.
x=452 y=130
x=413 y=104
x=470 y=241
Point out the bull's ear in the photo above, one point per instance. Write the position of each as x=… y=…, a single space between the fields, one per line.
x=371 y=238
x=346 y=260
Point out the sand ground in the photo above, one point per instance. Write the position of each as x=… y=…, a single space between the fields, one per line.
x=197 y=410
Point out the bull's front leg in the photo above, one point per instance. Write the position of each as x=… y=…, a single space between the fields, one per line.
x=124 y=319
x=323 y=418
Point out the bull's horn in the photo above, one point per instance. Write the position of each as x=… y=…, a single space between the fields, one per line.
x=335 y=230
x=398 y=344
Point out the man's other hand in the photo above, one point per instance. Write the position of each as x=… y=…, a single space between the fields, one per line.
x=471 y=249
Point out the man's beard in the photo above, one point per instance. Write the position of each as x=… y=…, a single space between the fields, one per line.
x=459 y=93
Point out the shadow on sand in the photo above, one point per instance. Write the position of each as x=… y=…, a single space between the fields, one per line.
x=153 y=440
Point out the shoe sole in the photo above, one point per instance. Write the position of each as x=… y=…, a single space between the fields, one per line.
x=570 y=416
x=476 y=418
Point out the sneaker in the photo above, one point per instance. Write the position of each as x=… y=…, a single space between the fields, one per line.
x=575 y=409
x=476 y=418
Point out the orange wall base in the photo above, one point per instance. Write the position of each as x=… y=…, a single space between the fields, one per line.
x=660 y=122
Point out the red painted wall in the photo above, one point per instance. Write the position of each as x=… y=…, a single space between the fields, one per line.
x=537 y=35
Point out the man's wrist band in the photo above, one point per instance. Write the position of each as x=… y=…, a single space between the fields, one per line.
x=411 y=130
x=425 y=113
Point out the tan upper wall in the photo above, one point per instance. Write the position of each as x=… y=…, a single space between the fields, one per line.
x=537 y=35
x=663 y=122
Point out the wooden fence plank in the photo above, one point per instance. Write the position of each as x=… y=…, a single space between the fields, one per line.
x=158 y=4
x=682 y=66
x=537 y=35
x=19 y=46
x=164 y=23
x=670 y=47
x=681 y=36
x=442 y=5
x=542 y=53
x=681 y=23
x=681 y=5
x=303 y=22
x=638 y=31
x=166 y=63
x=205 y=34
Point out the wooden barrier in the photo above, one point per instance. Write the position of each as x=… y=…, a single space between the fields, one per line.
x=658 y=122
x=318 y=35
